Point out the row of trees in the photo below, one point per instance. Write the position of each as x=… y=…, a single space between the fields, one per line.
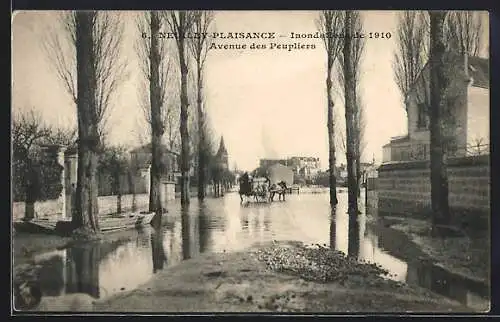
x=85 y=50
x=37 y=176
x=157 y=56
x=421 y=37
x=343 y=65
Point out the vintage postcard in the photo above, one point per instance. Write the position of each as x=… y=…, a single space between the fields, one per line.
x=250 y=161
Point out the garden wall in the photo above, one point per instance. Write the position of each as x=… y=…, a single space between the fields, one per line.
x=405 y=188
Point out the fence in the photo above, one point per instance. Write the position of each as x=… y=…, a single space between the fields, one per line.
x=419 y=152
x=128 y=185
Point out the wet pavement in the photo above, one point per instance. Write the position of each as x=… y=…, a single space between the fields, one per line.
x=224 y=225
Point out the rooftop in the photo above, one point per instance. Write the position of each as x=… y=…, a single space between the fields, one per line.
x=397 y=139
x=478 y=68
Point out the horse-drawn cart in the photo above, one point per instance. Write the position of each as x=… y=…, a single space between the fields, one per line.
x=261 y=189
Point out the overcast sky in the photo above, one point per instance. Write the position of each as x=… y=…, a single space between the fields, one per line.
x=266 y=103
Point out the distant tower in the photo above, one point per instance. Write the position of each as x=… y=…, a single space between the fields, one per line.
x=222 y=155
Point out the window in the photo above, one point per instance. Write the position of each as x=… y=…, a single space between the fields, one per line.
x=421 y=116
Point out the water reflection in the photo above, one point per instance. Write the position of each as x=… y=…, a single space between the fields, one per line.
x=203 y=230
x=157 y=250
x=333 y=228
x=74 y=270
x=190 y=233
x=186 y=243
x=354 y=238
x=83 y=275
x=218 y=225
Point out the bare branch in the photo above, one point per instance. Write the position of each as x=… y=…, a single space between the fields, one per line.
x=28 y=128
x=463 y=31
x=167 y=82
x=197 y=45
x=329 y=23
x=411 y=49
x=59 y=45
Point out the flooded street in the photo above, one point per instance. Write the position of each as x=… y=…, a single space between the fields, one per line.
x=223 y=225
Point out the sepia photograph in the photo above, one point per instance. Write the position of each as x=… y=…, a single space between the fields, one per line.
x=299 y=162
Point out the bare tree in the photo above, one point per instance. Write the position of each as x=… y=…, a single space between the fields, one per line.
x=27 y=129
x=356 y=50
x=180 y=22
x=463 y=30
x=62 y=136
x=350 y=111
x=411 y=50
x=172 y=136
x=438 y=85
x=86 y=57
x=329 y=22
x=153 y=55
x=59 y=45
x=86 y=212
x=199 y=50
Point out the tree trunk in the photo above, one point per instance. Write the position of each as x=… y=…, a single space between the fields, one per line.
x=349 y=93
x=357 y=133
x=331 y=135
x=354 y=238
x=31 y=176
x=119 y=203
x=88 y=136
x=359 y=178
x=184 y=112
x=358 y=167
x=185 y=232
x=333 y=229
x=438 y=84
x=201 y=135
x=157 y=128
x=131 y=179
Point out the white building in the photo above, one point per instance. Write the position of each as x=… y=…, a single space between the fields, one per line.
x=468 y=103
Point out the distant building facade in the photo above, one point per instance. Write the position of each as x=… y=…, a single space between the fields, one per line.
x=266 y=163
x=279 y=172
x=305 y=167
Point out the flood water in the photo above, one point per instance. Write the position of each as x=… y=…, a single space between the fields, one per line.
x=223 y=224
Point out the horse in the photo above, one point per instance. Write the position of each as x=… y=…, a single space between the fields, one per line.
x=245 y=187
x=280 y=188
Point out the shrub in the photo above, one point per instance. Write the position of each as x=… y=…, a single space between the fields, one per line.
x=35 y=178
